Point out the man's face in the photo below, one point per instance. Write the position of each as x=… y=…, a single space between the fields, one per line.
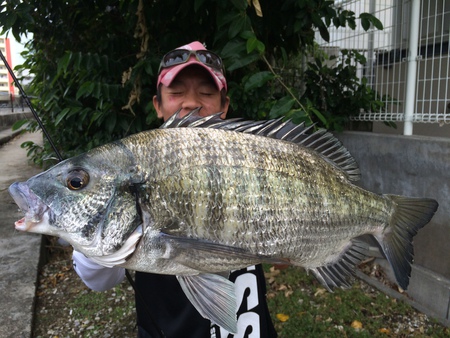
x=193 y=87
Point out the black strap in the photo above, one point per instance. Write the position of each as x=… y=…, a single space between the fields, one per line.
x=147 y=310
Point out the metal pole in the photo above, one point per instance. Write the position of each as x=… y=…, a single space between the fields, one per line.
x=371 y=48
x=411 y=77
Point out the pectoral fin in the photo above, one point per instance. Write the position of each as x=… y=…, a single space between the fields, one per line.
x=199 y=248
x=214 y=298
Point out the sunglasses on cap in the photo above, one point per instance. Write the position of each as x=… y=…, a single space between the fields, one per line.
x=179 y=56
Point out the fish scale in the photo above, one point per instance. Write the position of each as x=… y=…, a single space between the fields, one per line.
x=195 y=165
x=201 y=196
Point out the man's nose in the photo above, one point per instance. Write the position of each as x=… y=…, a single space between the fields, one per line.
x=191 y=102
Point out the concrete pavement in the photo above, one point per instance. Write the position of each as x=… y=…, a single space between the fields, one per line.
x=19 y=252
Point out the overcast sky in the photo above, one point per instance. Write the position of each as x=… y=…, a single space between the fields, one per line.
x=16 y=49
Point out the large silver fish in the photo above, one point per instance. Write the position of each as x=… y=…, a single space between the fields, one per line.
x=202 y=196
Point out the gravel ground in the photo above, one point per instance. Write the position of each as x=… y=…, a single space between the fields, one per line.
x=65 y=307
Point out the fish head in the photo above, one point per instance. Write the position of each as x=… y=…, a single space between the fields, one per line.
x=86 y=200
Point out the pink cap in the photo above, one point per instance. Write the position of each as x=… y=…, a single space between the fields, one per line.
x=168 y=74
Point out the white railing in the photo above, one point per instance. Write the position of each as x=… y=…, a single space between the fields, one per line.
x=408 y=62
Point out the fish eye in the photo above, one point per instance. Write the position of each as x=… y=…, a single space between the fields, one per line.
x=77 y=179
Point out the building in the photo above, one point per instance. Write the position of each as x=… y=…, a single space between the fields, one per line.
x=7 y=89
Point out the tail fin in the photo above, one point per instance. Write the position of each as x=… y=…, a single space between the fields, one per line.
x=410 y=215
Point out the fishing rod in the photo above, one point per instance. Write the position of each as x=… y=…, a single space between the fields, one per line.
x=47 y=135
x=28 y=102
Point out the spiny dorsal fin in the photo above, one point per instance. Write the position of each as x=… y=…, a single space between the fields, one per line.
x=320 y=141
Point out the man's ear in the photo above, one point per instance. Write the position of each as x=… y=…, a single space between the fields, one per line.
x=225 y=108
x=157 y=107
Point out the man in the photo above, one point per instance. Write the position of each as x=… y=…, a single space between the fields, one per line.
x=189 y=77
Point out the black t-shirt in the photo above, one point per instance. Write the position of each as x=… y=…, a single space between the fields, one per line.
x=164 y=300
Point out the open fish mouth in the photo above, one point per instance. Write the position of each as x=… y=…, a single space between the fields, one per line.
x=21 y=224
x=28 y=203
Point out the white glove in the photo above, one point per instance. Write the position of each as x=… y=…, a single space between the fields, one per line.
x=95 y=276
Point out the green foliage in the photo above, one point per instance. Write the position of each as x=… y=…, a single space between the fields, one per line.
x=336 y=90
x=95 y=62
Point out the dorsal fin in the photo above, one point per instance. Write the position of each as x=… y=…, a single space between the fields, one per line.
x=321 y=141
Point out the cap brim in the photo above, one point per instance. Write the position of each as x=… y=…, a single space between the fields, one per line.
x=169 y=74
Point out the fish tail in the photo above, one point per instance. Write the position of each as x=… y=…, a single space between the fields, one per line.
x=410 y=215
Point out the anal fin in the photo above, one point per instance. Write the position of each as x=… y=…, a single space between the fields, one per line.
x=339 y=274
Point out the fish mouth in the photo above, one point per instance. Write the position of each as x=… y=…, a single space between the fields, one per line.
x=22 y=224
x=28 y=203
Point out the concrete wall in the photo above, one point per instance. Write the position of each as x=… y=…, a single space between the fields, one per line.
x=7 y=118
x=413 y=166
